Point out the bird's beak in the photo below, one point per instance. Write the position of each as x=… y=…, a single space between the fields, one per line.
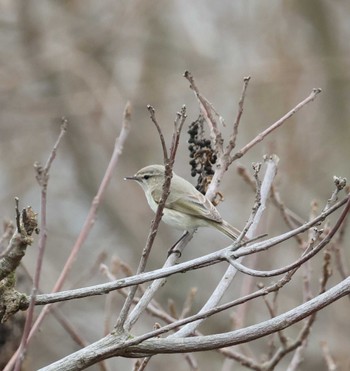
x=131 y=178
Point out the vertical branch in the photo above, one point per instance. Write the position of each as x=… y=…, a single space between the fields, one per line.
x=178 y=124
x=91 y=217
x=89 y=222
x=42 y=176
x=331 y=364
x=276 y=125
x=225 y=161
x=158 y=283
x=152 y=112
x=206 y=109
x=231 y=271
x=233 y=138
x=271 y=171
x=122 y=323
x=337 y=248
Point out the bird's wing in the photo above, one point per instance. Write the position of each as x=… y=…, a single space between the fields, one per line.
x=197 y=205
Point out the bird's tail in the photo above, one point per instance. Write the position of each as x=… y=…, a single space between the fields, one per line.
x=228 y=230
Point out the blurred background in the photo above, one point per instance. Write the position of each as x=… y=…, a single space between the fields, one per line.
x=85 y=59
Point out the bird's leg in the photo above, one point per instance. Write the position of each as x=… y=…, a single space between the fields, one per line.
x=173 y=249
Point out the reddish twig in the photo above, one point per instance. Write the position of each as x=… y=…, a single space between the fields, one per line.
x=42 y=176
x=168 y=162
x=233 y=138
x=206 y=109
x=331 y=364
x=89 y=222
x=276 y=125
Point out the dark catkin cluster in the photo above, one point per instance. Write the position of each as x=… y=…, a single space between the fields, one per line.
x=202 y=155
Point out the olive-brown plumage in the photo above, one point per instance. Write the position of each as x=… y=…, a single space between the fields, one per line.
x=185 y=208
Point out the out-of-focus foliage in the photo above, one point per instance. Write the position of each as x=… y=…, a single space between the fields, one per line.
x=85 y=59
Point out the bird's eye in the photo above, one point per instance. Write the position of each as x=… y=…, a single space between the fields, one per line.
x=146 y=177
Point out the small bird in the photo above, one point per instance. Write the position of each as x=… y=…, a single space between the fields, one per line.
x=185 y=208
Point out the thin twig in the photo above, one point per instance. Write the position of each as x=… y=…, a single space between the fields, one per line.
x=303 y=259
x=272 y=309
x=225 y=161
x=188 y=302
x=240 y=358
x=89 y=222
x=291 y=218
x=263 y=291
x=275 y=125
x=112 y=346
x=300 y=343
x=123 y=323
x=257 y=203
x=59 y=316
x=331 y=365
x=20 y=240
x=141 y=365
x=152 y=112
x=230 y=273
x=233 y=138
x=168 y=270
x=207 y=109
x=43 y=178
x=159 y=280
x=153 y=308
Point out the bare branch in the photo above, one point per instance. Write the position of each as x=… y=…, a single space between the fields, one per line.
x=152 y=112
x=159 y=280
x=89 y=222
x=275 y=125
x=233 y=138
x=21 y=239
x=297 y=263
x=207 y=109
x=230 y=273
x=169 y=269
x=139 y=346
x=331 y=365
x=42 y=176
x=179 y=334
x=123 y=322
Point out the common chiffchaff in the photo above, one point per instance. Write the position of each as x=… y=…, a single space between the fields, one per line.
x=185 y=208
